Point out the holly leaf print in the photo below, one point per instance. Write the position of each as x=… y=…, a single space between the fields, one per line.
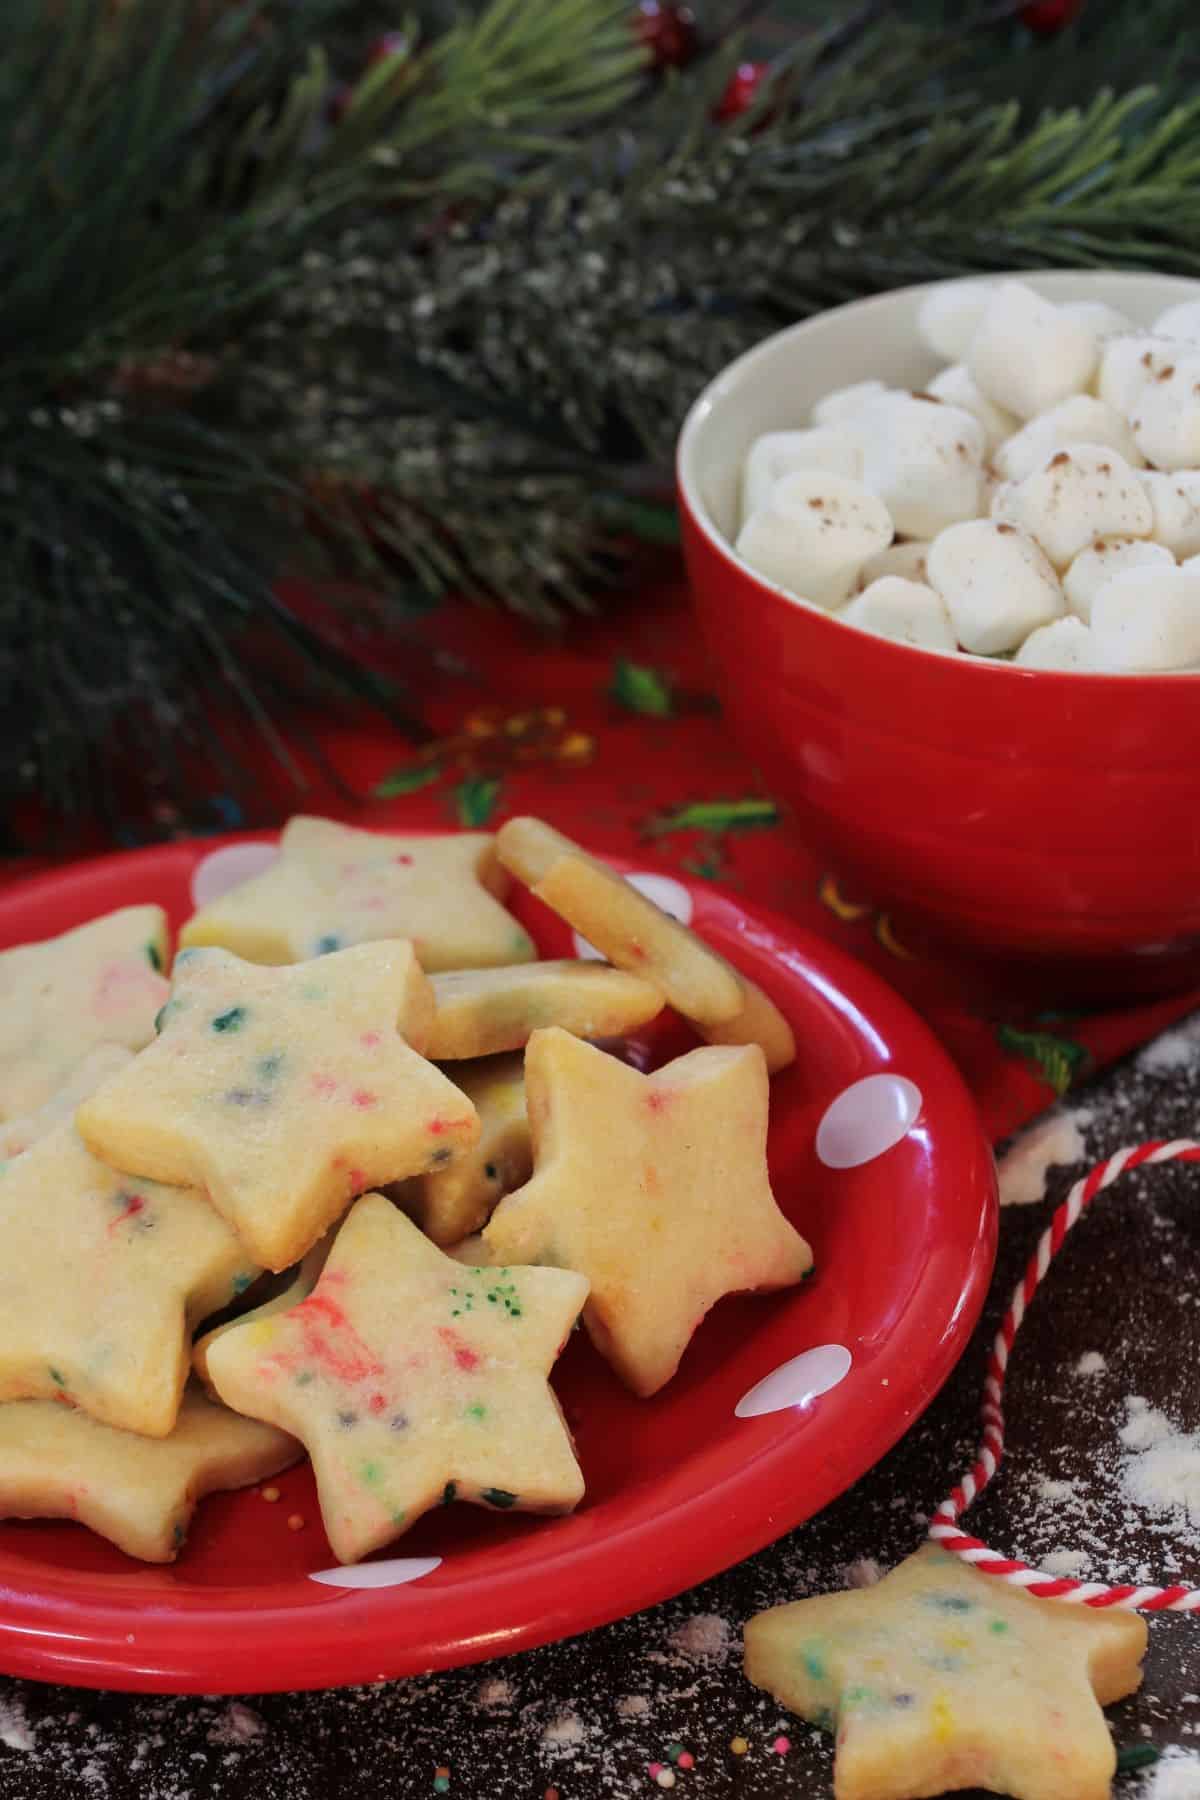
x=1058 y=1060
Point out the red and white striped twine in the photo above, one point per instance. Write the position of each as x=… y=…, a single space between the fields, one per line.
x=944 y=1524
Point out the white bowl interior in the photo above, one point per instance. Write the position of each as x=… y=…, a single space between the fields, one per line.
x=774 y=386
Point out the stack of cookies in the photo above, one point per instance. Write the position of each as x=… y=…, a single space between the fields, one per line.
x=368 y=1131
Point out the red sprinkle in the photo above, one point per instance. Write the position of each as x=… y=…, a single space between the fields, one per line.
x=325 y=1085
x=133 y=1206
x=346 y=1357
x=657 y=1099
x=404 y=861
x=377 y=1403
x=781 y=1746
x=371 y=1039
x=464 y=1356
x=364 y=1099
x=437 y=1126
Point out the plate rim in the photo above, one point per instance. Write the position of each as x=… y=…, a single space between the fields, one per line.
x=50 y=1636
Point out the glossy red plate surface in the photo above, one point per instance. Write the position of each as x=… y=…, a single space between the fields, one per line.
x=679 y=1487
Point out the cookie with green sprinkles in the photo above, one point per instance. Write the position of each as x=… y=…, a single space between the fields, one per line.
x=939 y=1677
x=452 y=1201
x=413 y=1381
x=99 y=984
x=334 y=886
x=139 y=1492
x=653 y=1186
x=284 y=1092
x=102 y=1279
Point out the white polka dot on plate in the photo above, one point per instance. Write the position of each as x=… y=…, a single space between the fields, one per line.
x=395 y=1572
x=797 y=1382
x=668 y=894
x=867 y=1118
x=224 y=869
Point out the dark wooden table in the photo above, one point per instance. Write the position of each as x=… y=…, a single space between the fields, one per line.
x=586 y=1717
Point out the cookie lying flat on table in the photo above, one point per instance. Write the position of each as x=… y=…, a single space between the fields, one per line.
x=635 y=934
x=334 y=886
x=18 y=1134
x=139 y=1492
x=449 y=1203
x=481 y=1012
x=940 y=1677
x=653 y=1186
x=98 y=984
x=412 y=1381
x=303 y=1279
x=101 y=1280
x=284 y=1092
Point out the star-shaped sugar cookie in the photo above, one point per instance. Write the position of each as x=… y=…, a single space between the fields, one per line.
x=284 y=1092
x=334 y=886
x=292 y=1286
x=634 y=934
x=940 y=1678
x=139 y=1492
x=99 y=984
x=412 y=1381
x=18 y=1134
x=450 y=1203
x=653 y=1186
x=102 y=1278
x=481 y=1012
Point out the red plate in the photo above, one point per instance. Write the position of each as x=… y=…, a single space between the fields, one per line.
x=679 y=1486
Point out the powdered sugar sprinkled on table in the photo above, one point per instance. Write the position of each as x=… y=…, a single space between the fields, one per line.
x=15 y=1730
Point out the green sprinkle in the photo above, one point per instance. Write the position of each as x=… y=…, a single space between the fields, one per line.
x=948 y=1602
x=398 y=1518
x=160 y=1017
x=813 y=1659
x=154 y=958
x=241 y=1283
x=371 y=1473
x=499 y=1497
x=1137 y=1756
x=449 y=1492
x=312 y=991
x=475 y=1411
x=233 y=1020
x=823 y=1719
x=304 y=1378
x=269 y=1066
x=56 y=1377
x=331 y=941
x=998 y=1626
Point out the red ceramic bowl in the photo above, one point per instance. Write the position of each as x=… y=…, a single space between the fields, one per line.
x=1051 y=820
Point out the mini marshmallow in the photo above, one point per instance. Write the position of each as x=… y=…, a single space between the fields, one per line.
x=996 y=583
x=1095 y=567
x=924 y=459
x=1175 y=500
x=815 y=534
x=1148 y=619
x=1080 y=420
x=1028 y=354
x=907 y=611
x=905 y=560
x=1166 y=413
x=1105 y=320
x=1066 y=644
x=780 y=453
x=1127 y=364
x=1180 y=321
x=845 y=403
x=955 y=387
x=1079 y=495
x=949 y=317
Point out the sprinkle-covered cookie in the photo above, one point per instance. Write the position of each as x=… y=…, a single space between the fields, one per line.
x=653 y=1186
x=102 y=1278
x=291 y=1287
x=449 y=1203
x=139 y=1492
x=413 y=1381
x=481 y=1012
x=18 y=1134
x=634 y=934
x=334 y=886
x=940 y=1677
x=284 y=1092
x=99 y=984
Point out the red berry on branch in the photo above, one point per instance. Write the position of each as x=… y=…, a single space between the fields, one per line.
x=741 y=91
x=1048 y=17
x=667 y=31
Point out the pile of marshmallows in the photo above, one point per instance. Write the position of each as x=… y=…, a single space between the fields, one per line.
x=1040 y=501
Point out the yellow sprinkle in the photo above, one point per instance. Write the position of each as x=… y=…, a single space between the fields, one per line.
x=943 y=1719
x=739 y=1745
x=260 y=1332
x=295 y=1521
x=270 y=1493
